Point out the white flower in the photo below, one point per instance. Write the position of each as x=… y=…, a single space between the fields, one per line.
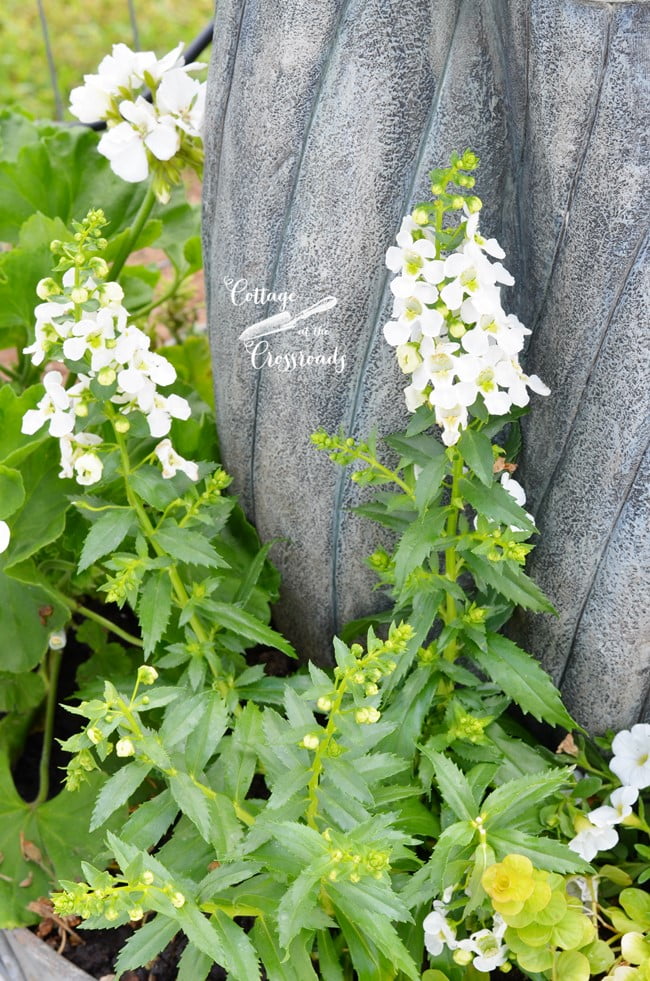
x=488 y=946
x=438 y=932
x=490 y=245
x=51 y=327
x=631 y=761
x=451 y=418
x=621 y=802
x=415 y=259
x=157 y=132
x=172 y=461
x=88 y=469
x=72 y=448
x=5 y=536
x=589 y=841
x=91 y=334
x=53 y=408
x=514 y=488
x=124 y=747
x=182 y=98
x=160 y=411
x=144 y=368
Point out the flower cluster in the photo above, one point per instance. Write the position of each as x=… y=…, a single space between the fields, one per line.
x=142 y=134
x=116 y=896
x=449 y=328
x=484 y=949
x=631 y=764
x=82 y=322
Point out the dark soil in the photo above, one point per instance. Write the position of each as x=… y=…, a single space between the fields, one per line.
x=98 y=953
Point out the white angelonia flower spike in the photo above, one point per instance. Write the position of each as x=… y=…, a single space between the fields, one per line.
x=449 y=328
x=116 y=355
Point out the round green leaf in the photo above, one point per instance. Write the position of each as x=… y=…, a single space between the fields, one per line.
x=12 y=491
x=572 y=966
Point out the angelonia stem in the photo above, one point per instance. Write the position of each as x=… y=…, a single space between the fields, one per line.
x=451 y=558
x=139 y=222
x=178 y=587
x=321 y=751
x=54 y=666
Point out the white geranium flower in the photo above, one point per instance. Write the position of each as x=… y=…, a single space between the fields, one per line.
x=631 y=761
x=621 y=801
x=173 y=461
x=124 y=149
x=92 y=101
x=5 y=536
x=53 y=408
x=589 y=841
x=182 y=98
x=157 y=132
x=438 y=932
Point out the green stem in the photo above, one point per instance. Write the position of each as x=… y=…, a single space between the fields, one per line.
x=180 y=593
x=54 y=664
x=143 y=311
x=108 y=624
x=322 y=749
x=139 y=222
x=451 y=558
x=389 y=473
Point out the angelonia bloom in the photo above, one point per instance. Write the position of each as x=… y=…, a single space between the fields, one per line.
x=163 y=134
x=631 y=764
x=485 y=949
x=83 y=324
x=450 y=332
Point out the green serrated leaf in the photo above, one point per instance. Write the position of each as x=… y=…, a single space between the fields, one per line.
x=476 y=450
x=240 y=958
x=188 y=546
x=544 y=853
x=144 y=945
x=154 y=608
x=429 y=481
x=511 y=800
x=494 y=503
x=244 y=624
x=453 y=785
x=105 y=535
x=117 y=790
x=520 y=676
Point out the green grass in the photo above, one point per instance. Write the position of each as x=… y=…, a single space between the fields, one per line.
x=81 y=33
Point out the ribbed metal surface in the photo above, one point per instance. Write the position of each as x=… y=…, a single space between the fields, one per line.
x=324 y=120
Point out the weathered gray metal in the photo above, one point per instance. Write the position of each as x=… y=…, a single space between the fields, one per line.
x=323 y=122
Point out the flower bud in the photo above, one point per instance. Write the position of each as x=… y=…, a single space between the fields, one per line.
x=147 y=674
x=462 y=957
x=354 y=877
x=111 y=914
x=420 y=216
x=106 y=376
x=177 y=900
x=57 y=640
x=457 y=328
x=95 y=735
x=310 y=741
x=79 y=295
x=324 y=704
x=122 y=424
x=45 y=288
x=474 y=204
x=81 y=410
x=124 y=747
x=136 y=914
x=147 y=877
x=457 y=201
